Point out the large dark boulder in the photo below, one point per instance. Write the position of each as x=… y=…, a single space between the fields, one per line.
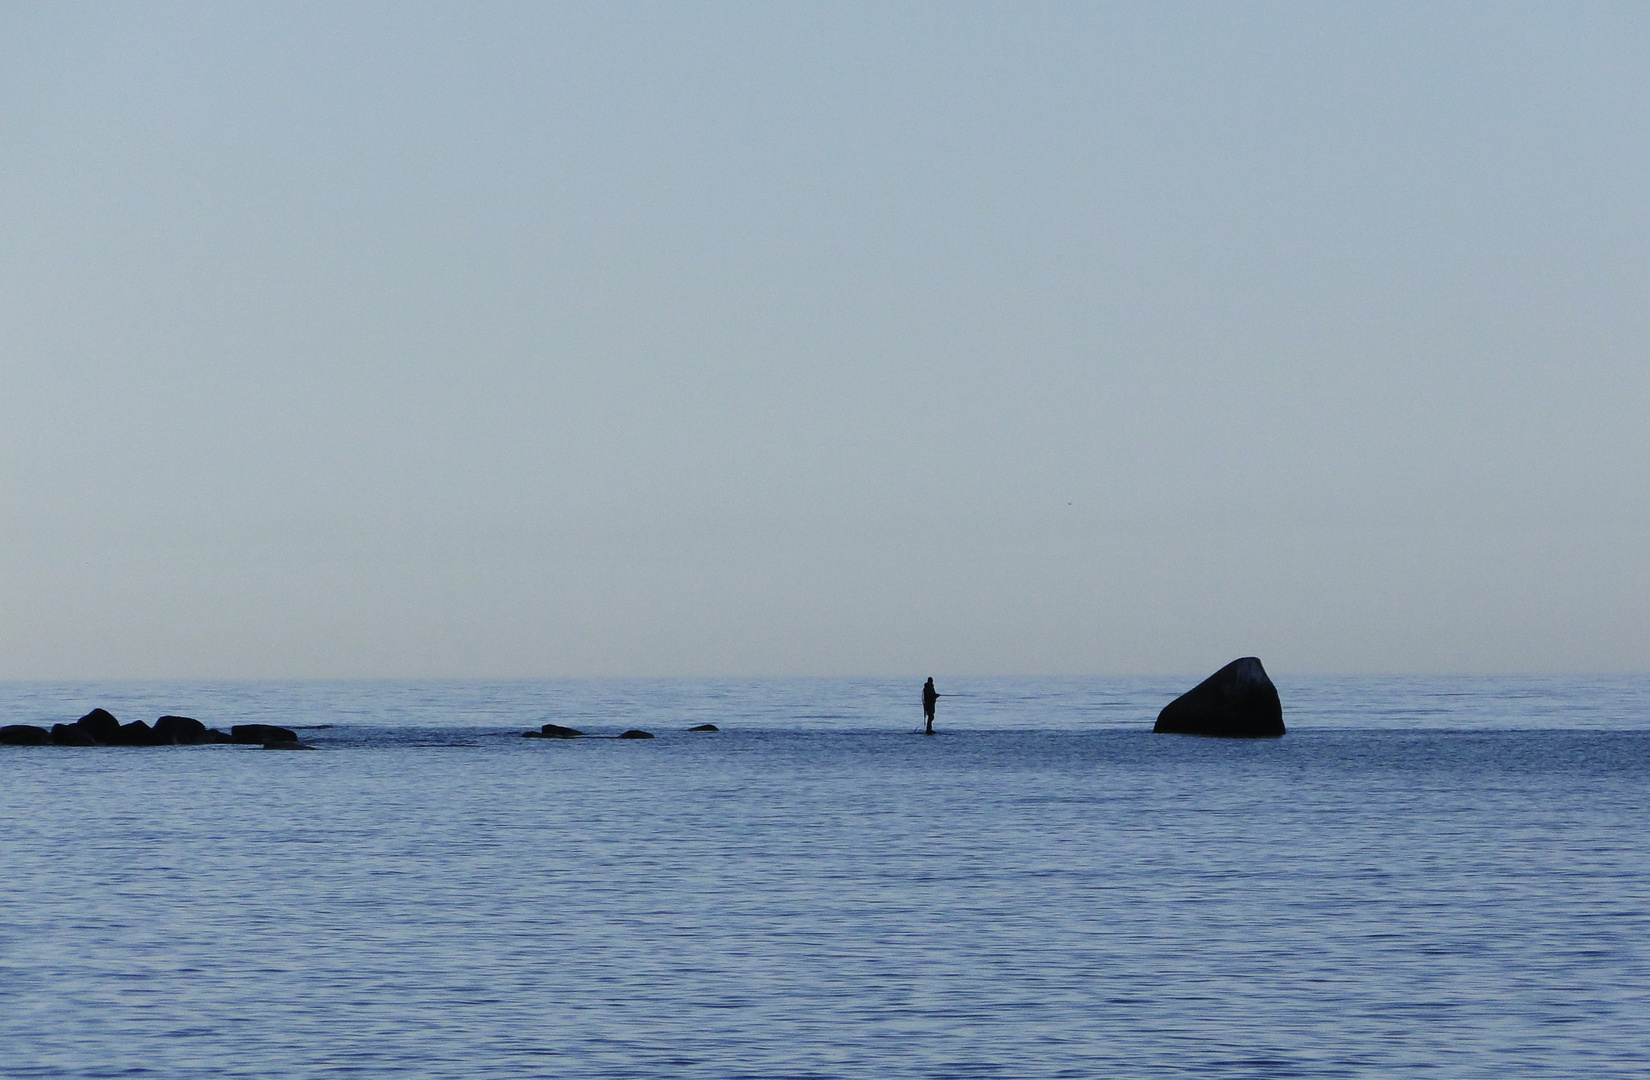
x=24 y=735
x=180 y=731
x=101 y=725
x=636 y=733
x=137 y=733
x=261 y=734
x=71 y=735
x=1236 y=702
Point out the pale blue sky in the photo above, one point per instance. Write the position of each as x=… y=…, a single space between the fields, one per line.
x=429 y=340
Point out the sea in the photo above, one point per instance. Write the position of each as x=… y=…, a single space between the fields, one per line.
x=1430 y=877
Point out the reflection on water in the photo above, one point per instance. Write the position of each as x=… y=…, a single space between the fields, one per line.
x=1418 y=879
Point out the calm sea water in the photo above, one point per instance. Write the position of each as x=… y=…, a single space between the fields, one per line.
x=1429 y=877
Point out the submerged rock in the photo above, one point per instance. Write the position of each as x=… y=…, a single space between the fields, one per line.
x=24 y=735
x=705 y=727
x=635 y=733
x=553 y=731
x=287 y=744
x=261 y=733
x=180 y=730
x=1236 y=702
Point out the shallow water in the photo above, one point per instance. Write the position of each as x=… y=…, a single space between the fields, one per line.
x=1441 y=877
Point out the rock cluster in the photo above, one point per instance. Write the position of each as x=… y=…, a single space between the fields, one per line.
x=100 y=728
x=1236 y=702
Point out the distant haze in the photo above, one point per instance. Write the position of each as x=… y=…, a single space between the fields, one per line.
x=472 y=340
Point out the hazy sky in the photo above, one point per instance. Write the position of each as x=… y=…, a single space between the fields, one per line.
x=445 y=340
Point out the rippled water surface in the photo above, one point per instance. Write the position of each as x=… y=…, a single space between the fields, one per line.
x=1439 y=877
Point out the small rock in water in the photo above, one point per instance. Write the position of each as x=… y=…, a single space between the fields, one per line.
x=634 y=733
x=261 y=733
x=553 y=731
x=1236 y=702
x=705 y=727
x=24 y=735
x=287 y=744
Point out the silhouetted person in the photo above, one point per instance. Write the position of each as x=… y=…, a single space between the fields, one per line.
x=929 y=697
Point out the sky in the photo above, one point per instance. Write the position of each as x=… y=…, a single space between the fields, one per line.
x=484 y=340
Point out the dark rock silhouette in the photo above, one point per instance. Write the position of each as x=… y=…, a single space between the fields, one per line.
x=71 y=735
x=261 y=733
x=101 y=725
x=553 y=731
x=24 y=735
x=100 y=728
x=287 y=744
x=180 y=731
x=705 y=727
x=137 y=733
x=634 y=733
x=1236 y=702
